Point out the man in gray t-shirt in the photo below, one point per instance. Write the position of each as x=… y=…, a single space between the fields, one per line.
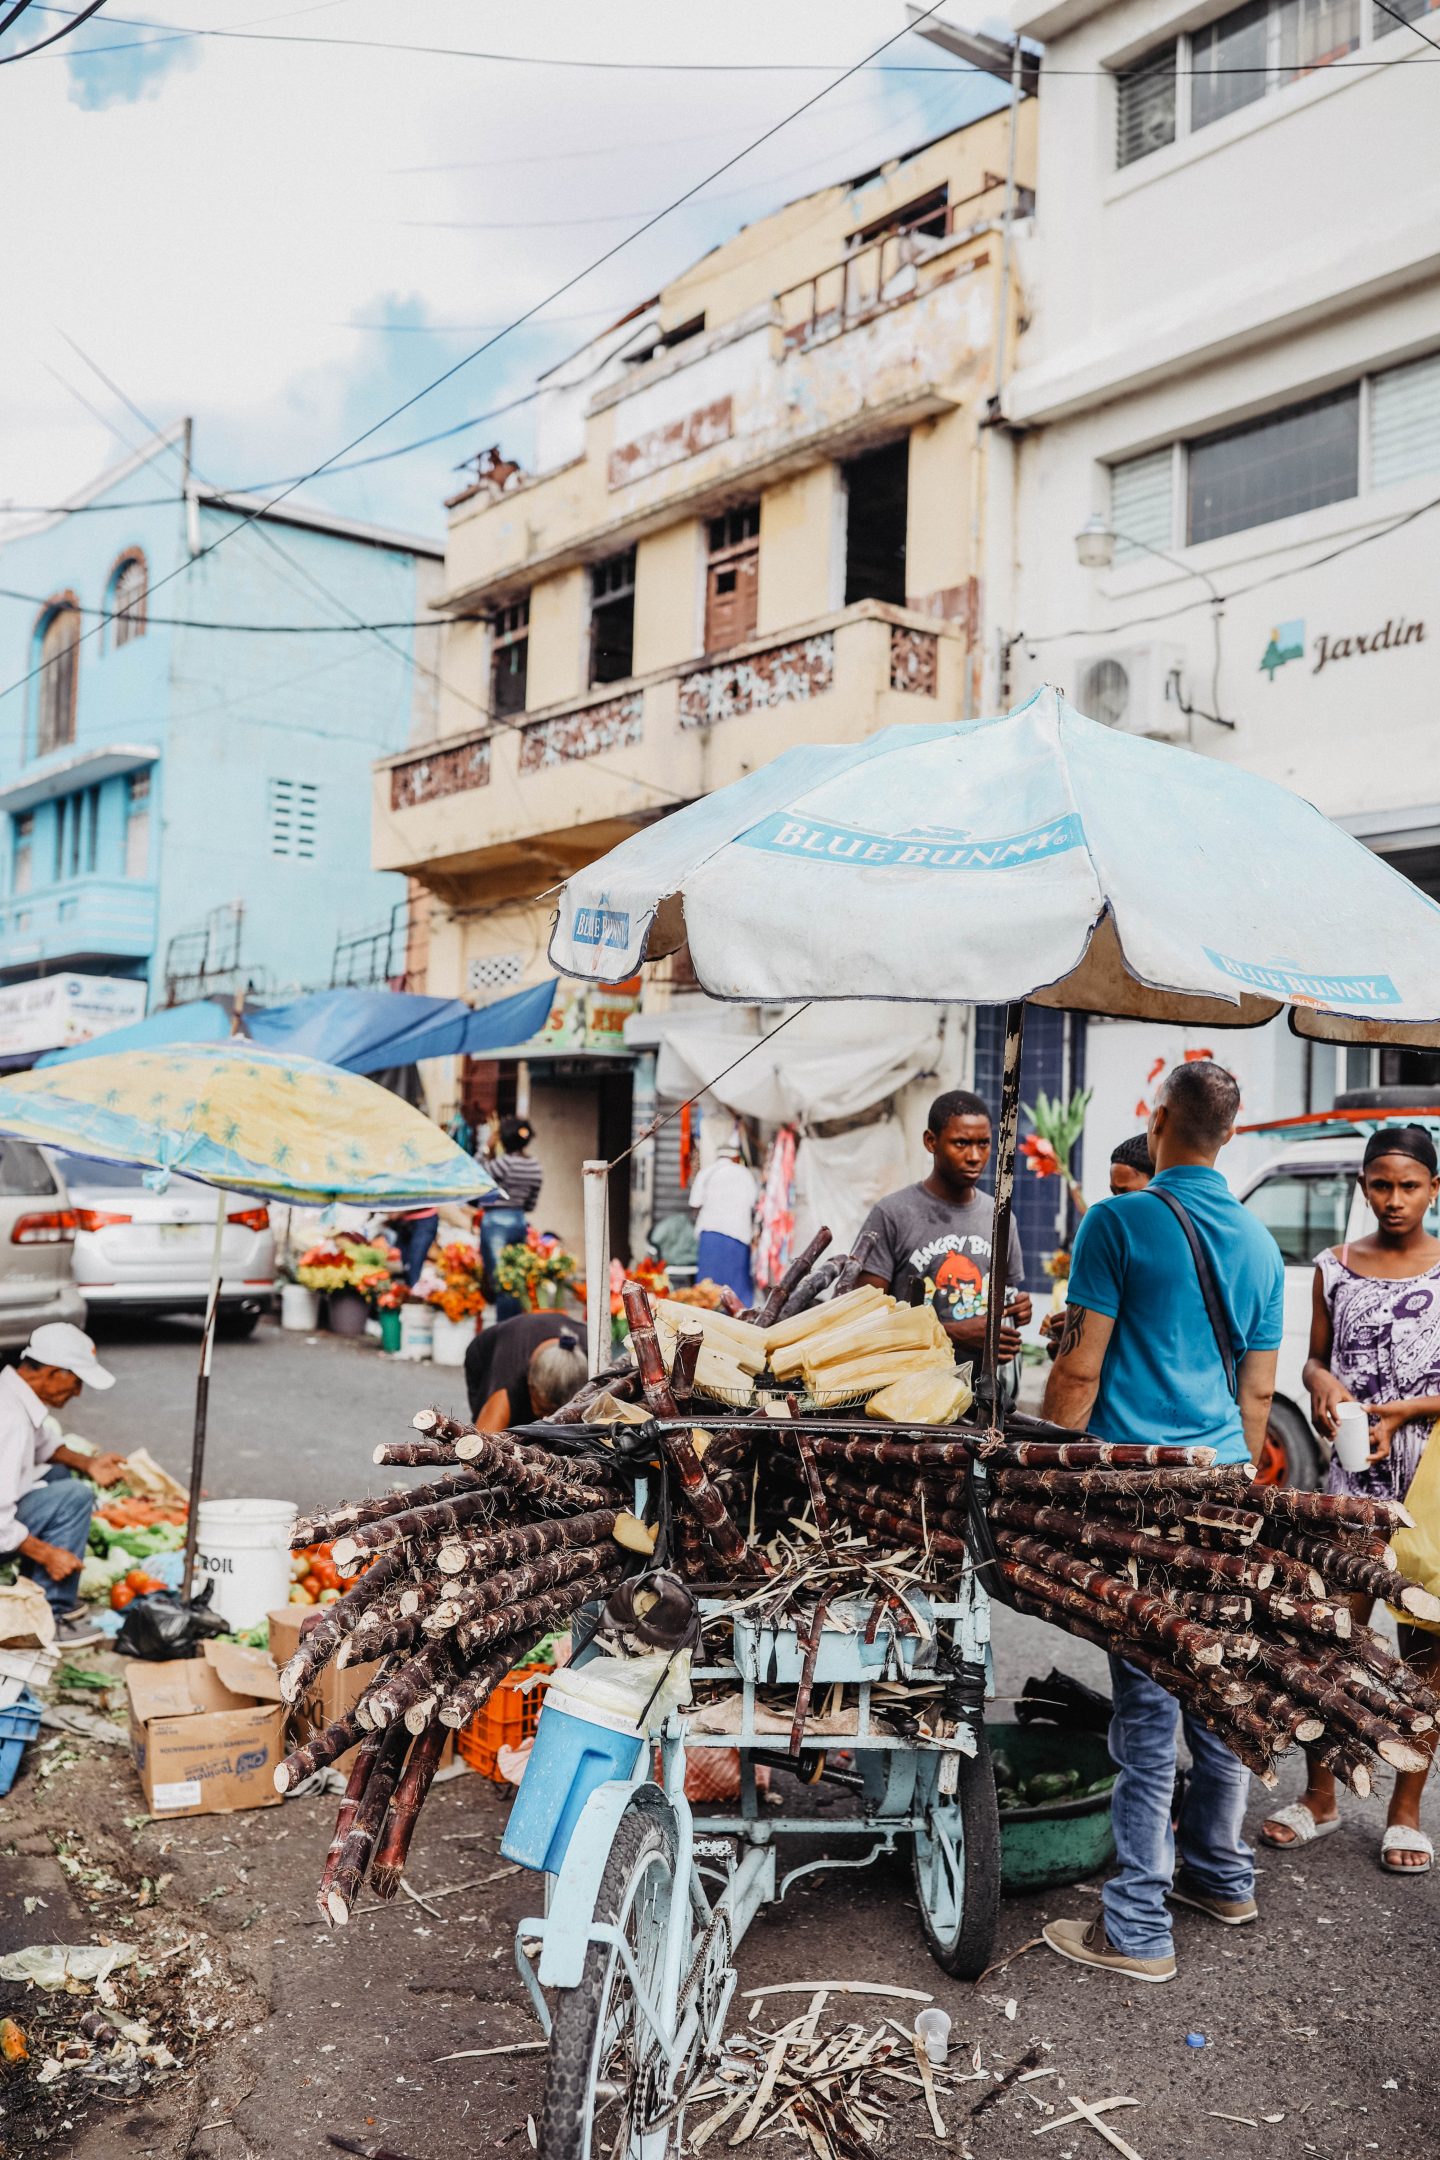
x=937 y=1233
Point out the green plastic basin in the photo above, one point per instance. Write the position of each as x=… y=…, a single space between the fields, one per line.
x=1063 y=1841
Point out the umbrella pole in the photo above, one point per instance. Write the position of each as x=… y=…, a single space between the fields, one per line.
x=202 y=1401
x=596 y=1177
x=1004 y=1199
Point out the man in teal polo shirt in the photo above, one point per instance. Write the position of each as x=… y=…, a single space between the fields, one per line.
x=1139 y=1361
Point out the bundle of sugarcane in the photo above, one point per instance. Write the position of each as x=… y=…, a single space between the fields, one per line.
x=462 y=1577
x=1229 y=1593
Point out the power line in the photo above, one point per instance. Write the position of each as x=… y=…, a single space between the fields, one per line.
x=249 y=629
x=1406 y=23
x=527 y=316
x=7 y=59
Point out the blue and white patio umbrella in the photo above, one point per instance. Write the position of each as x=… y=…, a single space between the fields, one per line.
x=1035 y=858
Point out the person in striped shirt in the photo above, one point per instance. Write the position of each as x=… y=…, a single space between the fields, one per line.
x=505 y=1216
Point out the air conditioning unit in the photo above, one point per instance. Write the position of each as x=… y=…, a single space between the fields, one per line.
x=1138 y=689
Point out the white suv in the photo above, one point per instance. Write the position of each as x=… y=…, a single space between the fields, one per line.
x=1308 y=1197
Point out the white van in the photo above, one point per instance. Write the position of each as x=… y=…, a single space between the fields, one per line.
x=1308 y=1197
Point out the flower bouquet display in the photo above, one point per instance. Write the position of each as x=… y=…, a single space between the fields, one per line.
x=1057 y=1129
x=536 y=1271
x=350 y=1272
x=457 y=1293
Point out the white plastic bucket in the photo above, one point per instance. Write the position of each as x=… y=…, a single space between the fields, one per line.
x=299 y=1307
x=452 y=1339
x=243 y=1547
x=417 y=1330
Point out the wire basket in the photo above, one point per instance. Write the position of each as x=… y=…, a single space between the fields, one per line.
x=774 y=1397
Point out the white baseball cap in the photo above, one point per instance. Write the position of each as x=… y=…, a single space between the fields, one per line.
x=60 y=1343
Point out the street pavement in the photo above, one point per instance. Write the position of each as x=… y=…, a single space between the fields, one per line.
x=1316 y=2022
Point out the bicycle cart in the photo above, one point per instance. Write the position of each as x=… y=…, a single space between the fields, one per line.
x=635 y=1969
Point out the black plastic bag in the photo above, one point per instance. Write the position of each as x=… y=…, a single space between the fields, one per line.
x=165 y=1625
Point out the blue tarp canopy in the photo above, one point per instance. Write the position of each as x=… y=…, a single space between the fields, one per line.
x=361 y=1031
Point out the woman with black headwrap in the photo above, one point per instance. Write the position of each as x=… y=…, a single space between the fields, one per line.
x=1375 y=1339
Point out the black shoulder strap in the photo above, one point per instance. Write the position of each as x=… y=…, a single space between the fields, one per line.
x=1209 y=1288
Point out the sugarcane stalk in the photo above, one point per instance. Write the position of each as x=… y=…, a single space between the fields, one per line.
x=1295 y=1720
x=702 y=1497
x=409 y=1682
x=438 y=1424
x=318 y=1751
x=1299 y=1676
x=541 y=1612
x=1242 y=1525
x=1108 y=1482
x=1292 y=1575
x=805 y=1690
x=654 y=1380
x=1322 y=1514
x=619 y=1379
x=1187 y=1643
x=1217 y=1608
x=428 y=1522
x=730 y=1303
x=414 y=1454
x=545 y=1573
x=318 y=1646
x=500 y=1548
x=398 y=1633
x=856 y=1262
x=1345 y=1570
x=902 y=1529
x=353 y=1859
x=1064 y=1528
x=470 y=1693
x=1312 y=1616
x=815 y=1485
x=392 y=1847
x=773 y=1304
x=1370 y=1650
x=360 y=1769
x=683 y=1364
x=337 y=1523
x=1412 y=1715
x=1346 y=1760
x=812 y=1289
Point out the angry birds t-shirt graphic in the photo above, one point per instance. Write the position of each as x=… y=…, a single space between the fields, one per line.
x=955 y=1270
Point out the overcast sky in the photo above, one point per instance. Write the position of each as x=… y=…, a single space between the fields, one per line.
x=286 y=239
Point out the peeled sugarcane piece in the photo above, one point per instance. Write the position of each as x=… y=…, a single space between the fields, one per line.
x=1065 y=1529
x=546 y=1610
x=429 y=1522
x=334 y=1523
x=500 y=1548
x=1330 y=1514
x=1347 y=1760
x=392 y=1847
x=702 y=1498
x=740 y=1339
x=1185 y=1641
x=360 y=1769
x=874 y=1334
x=936 y=1398
x=353 y=1861
x=837 y=1383
x=320 y=1750
x=720 y=1378
x=1298 y=1676
x=1311 y=1616
x=773 y=1304
x=414 y=1454
x=836 y=1312
x=318 y=1646
x=654 y=1380
x=812 y=1289
x=632 y=1535
x=856 y=1263
x=1346 y=1570
x=1066 y=1486
x=682 y=1366
x=527 y=1580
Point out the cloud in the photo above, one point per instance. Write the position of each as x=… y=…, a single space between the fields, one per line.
x=119 y=69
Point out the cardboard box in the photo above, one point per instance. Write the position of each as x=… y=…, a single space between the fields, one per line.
x=332 y=1692
x=207 y=1732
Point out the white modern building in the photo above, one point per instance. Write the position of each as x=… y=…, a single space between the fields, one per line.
x=1224 y=431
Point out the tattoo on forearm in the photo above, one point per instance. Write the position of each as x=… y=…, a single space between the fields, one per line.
x=1074 y=1328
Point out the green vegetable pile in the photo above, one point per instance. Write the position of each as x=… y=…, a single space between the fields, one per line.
x=1044 y=1787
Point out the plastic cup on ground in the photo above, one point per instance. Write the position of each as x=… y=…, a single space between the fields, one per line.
x=932 y=2029
x=1352 y=1436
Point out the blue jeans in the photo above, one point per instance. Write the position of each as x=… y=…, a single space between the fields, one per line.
x=499 y=1227
x=413 y=1239
x=57 y=1510
x=1143 y=1734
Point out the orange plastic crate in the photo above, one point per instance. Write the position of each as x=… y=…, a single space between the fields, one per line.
x=510 y=1717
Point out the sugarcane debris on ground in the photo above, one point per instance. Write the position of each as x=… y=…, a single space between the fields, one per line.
x=1230 y=1594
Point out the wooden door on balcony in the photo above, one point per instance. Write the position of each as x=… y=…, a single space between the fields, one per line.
x=732 y=580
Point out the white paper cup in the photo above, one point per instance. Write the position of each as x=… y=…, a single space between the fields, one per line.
x=1352 y=1436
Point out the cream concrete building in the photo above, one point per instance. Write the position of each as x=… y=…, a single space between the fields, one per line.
x=1232 y=376
x=754 y=521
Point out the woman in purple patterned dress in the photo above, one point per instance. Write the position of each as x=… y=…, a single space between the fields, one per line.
x=1375 y=1339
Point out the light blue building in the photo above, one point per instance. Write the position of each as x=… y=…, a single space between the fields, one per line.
x=185 y=803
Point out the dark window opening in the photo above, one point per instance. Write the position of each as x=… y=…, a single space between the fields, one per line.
x=682 y=331
x=510 y=659
x=1145 y=105
x=612 y=619
x=877 y=488
x=732 y=579
x=927 y=215
x=59 y=670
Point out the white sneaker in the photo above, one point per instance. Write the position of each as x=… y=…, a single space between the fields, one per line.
x=74 y=1630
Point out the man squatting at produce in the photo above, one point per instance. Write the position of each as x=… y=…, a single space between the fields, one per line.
x=932 y=1240
x=45 y=1504
x=1140 y=1361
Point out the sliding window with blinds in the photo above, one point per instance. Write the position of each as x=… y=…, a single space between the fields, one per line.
x=1405 y=422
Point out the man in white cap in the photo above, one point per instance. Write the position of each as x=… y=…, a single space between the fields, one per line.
x=44 y=1510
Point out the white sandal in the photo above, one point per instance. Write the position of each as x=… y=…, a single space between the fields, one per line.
x=1297 y=1817
x=1399 y=1837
